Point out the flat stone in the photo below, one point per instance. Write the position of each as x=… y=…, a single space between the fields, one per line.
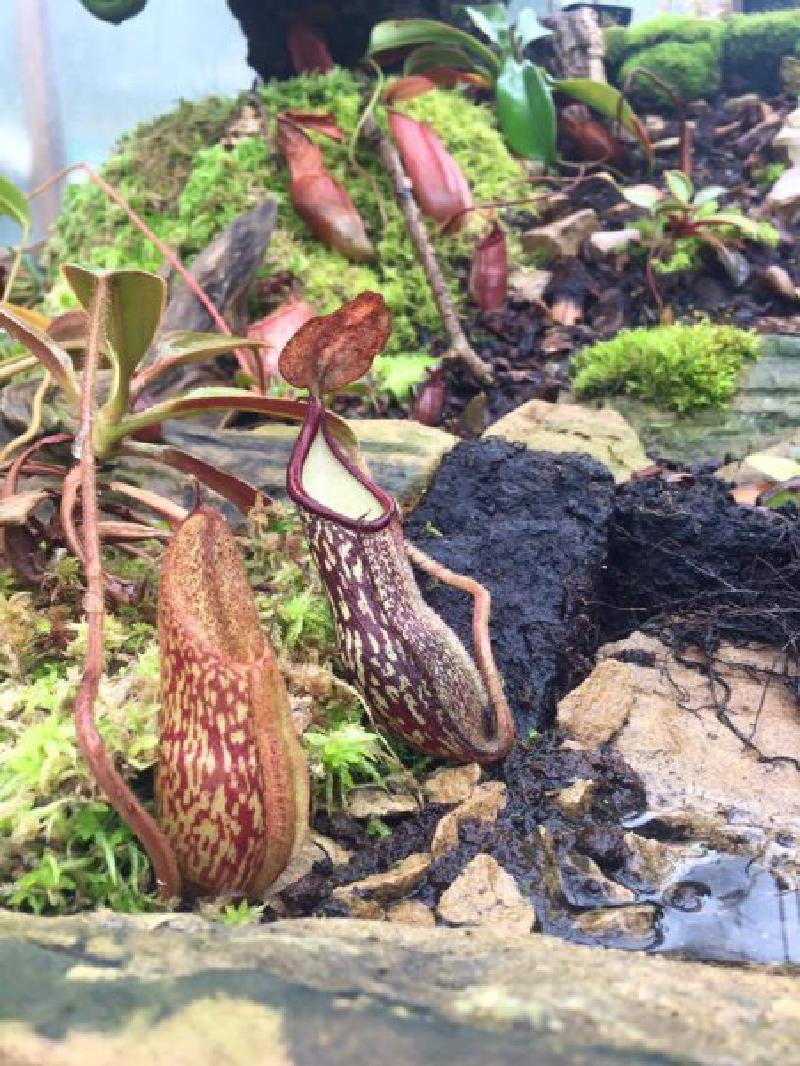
x=486 y=894
x=584 y=884
x=363 y=803
x=451 y=784
x=337 y=992
x=652 y=863
x=613 y=242
x=483 y=804
x=527 y=284
x=565 y=427
x=598 y=708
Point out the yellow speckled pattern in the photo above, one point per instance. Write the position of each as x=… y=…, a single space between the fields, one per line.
x=232 y=782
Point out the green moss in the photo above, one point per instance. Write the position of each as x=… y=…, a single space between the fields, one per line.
x=754 y=46
x=693 y=70
x=679 y=368
x=676 y=28
x=221 y=183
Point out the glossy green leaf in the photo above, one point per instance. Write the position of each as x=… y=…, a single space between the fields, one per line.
x=747 y=227
x=51 y=355
x=680 y=185
x=526 y=112
x=407 y=33
x=492 y=21
x=431 y=55
x=606 y=101
x=14 y=204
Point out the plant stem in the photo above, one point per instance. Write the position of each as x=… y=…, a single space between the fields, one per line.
x=460 y=348
x=88 y=736
x=12 y=276
x=190 y=282
x=35 y=423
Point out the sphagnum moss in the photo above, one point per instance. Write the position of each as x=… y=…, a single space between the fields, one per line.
x=223 y=182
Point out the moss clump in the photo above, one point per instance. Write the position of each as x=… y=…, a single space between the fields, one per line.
x=754 y=46
x=678 y=368
x=221 y=183
x=693 y=70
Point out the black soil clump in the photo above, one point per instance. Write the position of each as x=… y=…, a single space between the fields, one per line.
x=688 y=562
x=533 y=528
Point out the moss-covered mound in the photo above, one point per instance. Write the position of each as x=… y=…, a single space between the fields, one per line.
x=743 y=52
x=678 y=368
x=188 y=187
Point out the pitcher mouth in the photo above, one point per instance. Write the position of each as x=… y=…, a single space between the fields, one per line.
x=364 y=506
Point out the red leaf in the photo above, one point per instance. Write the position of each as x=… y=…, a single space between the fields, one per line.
x=408 y=88
x=308 y=49
x=488 y=276
x=319 y=121
x=429 y=401
x=320 y=201
x=591 y=141
x=276 y=330
x=334 y=350
x=438 y=183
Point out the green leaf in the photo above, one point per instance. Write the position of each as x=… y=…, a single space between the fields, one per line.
x=747 y=227
x=44 y=348
x=528 y=28
x=136 y=303
x=398 y=375
x=432 y=55
x=492 y=21
x=605 y=100
x=711 y=194
x=406 y=33
x=526 y=111
x=645 y=196
x=680 y=185
x=14 y=204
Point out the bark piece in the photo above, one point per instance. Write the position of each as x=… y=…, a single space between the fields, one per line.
x=563 y=238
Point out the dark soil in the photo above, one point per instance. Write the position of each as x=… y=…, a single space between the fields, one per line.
x=519 y=520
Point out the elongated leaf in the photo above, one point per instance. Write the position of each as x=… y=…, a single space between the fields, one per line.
x=775 y=467
x=747 y=227
x=680 y=185
x=428 y=56
x=605 y=100
x=526 y=111
x=225 y=399
x=44 y=348
x=13 y=203
x=136 y=304
x=710 y=195
x=240 y=493
x=33 y=318
x=407 y=33
x=645 y=196
x=492 y=21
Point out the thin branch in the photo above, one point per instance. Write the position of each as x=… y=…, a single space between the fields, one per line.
x=501 y=729
x=460 y=348
x=89 y=740
x=35 y=424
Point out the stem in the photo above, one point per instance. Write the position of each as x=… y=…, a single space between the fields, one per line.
x=16 y=366
x=685 y=161
x=89 y=740
x=12 y=277
x=35 y=422
x=460 y=347
x=191 y=283
x=502 y=728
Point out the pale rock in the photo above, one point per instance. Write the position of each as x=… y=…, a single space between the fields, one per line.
x=594 y=712
x=584 y=884
x=577 y=798
x=411 y=912
x=366 y=899
x=451 y=784
x=779 y=279
x=667 y=144
x=624 y=926
x=653 y=862
x=565 y=427
x=655 y=125
x=524 y=283
x=563 y=238
x=788 y=136
x=369 y=802
x=484 y=804
x=613 y=242
x=485 y=894
x=785 y=193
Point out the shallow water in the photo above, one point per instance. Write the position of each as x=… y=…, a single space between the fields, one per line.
x=728 y=908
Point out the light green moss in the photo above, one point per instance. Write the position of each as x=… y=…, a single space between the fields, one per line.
x=693 y=70
x=679 y=368
x=221 y=183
